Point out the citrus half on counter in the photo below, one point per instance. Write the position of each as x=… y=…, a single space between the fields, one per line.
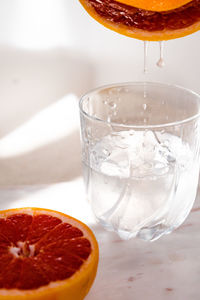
x=147 y=20
x=46 y=255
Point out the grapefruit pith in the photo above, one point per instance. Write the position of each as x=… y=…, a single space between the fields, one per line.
x=45 y=254
x=145 y=24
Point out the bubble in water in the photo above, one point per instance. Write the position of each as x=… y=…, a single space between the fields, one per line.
x=112 y=91
x=106 y=152
x=91 y=143
x=126 y=90
x=145 y=106
x=89 y=132
x=113 y=105
x=108 y=119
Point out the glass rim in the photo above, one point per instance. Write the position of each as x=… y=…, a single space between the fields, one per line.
x=138 y=83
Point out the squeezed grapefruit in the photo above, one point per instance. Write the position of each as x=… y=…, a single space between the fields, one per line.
x=147 y=20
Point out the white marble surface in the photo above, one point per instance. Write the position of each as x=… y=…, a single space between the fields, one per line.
x=133 y=270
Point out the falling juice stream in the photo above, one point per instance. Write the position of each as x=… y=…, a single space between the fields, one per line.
x=160 y=62
x=146 y=45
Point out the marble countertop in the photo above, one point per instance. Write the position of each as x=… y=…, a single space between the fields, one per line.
x=133 y=270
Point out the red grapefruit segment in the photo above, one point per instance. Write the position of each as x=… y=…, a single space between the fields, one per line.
x=15 y=228
x=45 y=247
x=10 y=276
x=31 y=276
x=80 y=247
x=4 y=244
x=40 y=226
x=57 y=264
x=5 y=260
x=62 y=232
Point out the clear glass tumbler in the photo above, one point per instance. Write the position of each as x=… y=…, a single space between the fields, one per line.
x=140 y=144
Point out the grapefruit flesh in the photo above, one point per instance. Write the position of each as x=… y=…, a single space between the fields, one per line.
x=145 y=24
x=45 y=253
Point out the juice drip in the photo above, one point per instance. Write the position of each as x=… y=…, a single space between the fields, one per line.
x=145 y=95
x=146 y=45
x=161 y=62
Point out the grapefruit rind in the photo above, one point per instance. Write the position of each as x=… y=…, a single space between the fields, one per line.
x=140 y=34
x=74 y=288
x=155 y=5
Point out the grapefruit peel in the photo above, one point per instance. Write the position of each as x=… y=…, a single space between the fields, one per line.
x=141 y=34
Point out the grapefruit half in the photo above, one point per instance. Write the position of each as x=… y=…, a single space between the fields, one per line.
x=147 y=20
x=45 y=254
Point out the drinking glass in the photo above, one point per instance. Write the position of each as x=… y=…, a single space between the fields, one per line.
x=140 y=153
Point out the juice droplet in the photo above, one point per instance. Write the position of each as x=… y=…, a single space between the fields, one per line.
x=161 y=62
x=144 y=106
x=146 y=45
x=108 y=119
x=112 y=105
x=145 y=91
